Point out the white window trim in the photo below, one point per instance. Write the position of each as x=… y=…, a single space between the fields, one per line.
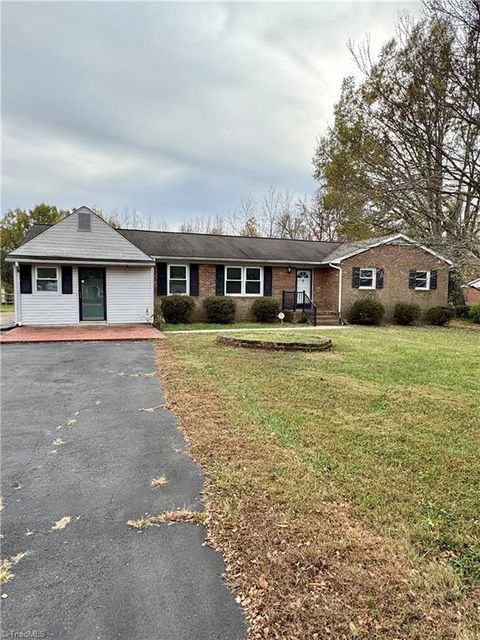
x=59 y=285
x=374 y=278
x=427 y=282
x=243 y=281
x=187 y=278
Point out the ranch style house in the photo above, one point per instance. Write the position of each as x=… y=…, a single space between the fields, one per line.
x=82 y=270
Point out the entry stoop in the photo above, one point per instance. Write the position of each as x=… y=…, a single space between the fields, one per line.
x=327 y=317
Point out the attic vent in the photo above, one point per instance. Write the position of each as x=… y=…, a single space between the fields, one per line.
x=84 y=221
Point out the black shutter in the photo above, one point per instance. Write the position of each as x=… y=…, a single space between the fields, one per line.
x=355 y=277
x=380 y=278
x=194 y=279
x=412 y=279
x=162 y=278
x=267 y=281
x=433 y=279
x=220 y=280
x=67 y=280
x=25 y=278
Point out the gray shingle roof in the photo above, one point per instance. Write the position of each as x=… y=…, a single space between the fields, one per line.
x=198 y=246
x=203 y=246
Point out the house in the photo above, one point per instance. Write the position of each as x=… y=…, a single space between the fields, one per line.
x=83 y=270
x=471 y=291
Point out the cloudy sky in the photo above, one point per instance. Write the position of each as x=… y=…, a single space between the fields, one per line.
x=174 y=110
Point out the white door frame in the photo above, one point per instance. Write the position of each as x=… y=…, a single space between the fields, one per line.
x=309 y=292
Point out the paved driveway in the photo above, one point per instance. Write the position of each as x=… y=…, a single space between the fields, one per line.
x=97 y=578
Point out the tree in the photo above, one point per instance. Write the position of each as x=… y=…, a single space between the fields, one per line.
x=13 y=227
x=404 y=150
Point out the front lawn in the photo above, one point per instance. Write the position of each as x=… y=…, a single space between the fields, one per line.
x=194 y=326
x=343 y=487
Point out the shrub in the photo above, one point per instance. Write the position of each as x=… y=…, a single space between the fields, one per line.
x=474 y=313
x=462 y=311
x=265 y=309
x=219 y=309
x=439 y=316
x=405 y=313
x=366 y=311
x=177 y=309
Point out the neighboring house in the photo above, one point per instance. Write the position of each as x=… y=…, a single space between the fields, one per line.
x=83 y=270
x=471 y=291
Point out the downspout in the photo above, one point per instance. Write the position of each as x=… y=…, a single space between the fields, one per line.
x=16 y=294
x=339 y=269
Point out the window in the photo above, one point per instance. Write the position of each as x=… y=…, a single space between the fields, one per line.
x=47 y=279
x=422 y=280
x=177 y=279
x=367 y=278
x=243 y=281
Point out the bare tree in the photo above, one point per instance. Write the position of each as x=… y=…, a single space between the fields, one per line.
x=215 y=225
x=133 y=219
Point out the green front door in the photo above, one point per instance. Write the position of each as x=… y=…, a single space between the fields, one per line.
x=92 y=293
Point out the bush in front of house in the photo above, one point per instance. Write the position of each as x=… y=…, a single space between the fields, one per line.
x=474 y=313
x=439 y=316
x=366 y=311
x=265 y=309
x=405 y=313
x=177 y=309
x=219 y=309
x=462 y=311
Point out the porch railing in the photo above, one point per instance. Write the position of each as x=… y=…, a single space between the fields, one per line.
x=299 y=300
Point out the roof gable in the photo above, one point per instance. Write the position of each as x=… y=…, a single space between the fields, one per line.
x=354 y=248
x=65 y=240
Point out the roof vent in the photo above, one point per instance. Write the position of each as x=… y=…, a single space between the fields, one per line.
x=84 y=222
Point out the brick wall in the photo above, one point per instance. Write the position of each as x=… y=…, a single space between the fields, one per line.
x=397 y=261
x=472 y=295
x=325 y=288
x=325 y=293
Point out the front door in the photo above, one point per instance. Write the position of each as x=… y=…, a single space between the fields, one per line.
x=304 y=284
x=92 y=293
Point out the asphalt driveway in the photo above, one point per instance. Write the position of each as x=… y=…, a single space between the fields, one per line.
x=96 y=577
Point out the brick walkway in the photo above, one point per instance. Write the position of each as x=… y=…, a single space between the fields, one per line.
x=81 y=333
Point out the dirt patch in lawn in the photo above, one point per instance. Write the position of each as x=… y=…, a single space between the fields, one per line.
x=302 y=564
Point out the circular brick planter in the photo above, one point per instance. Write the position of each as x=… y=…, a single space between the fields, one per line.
x=320 y=344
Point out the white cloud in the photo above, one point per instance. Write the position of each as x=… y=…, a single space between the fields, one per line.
x=175 y=109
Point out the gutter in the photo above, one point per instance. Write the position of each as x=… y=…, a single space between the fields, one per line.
x=339 y=269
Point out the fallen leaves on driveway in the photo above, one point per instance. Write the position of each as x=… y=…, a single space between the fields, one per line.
x=62 y=523
x=6 y=566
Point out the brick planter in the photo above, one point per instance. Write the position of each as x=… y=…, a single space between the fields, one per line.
x=321 y=344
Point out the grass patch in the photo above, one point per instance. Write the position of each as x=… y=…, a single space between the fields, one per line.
x=6 y=307
x=180 y=515
x=193 y=326
x=343 y=487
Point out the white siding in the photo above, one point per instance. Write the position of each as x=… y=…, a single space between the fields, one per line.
x=64 y=240
x=129 y=299
x=50 y=308
x=129 y=294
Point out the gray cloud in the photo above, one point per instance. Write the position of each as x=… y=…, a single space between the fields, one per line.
x=172 y=109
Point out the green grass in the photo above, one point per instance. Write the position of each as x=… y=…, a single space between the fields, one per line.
x=389 y=421
x=205 y=325
x=6 y=307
